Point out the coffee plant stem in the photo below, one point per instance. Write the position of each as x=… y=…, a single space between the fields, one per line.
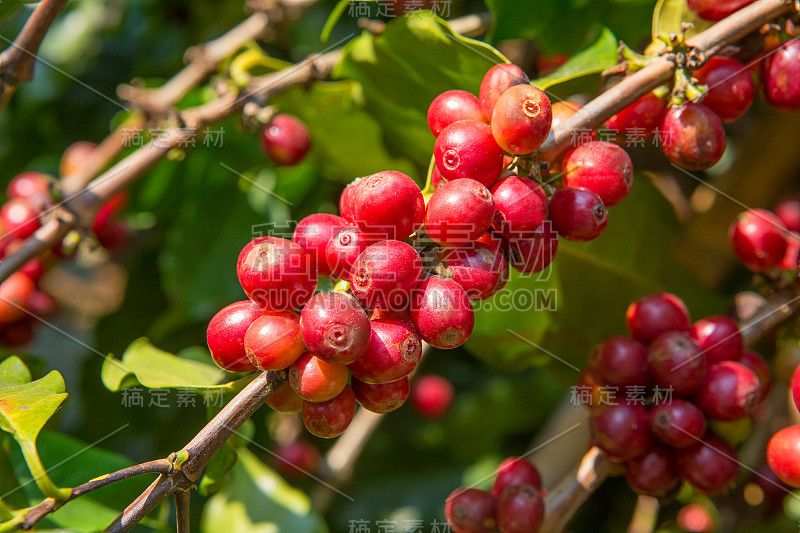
x=16 y=61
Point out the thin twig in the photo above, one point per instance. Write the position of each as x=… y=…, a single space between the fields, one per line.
x=189 y=463
x=36 y=513
x=16 y=61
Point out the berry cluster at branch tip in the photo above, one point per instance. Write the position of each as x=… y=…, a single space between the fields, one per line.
x=670 y=400
x=30 y=200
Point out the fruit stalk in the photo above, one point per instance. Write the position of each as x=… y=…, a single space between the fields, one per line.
x=16 y=61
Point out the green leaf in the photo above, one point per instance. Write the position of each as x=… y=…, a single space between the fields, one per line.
x=259 y=501
x=566 y=26
x=334 y=17
x=582 y=297
x=24 y=410
x=8 y=7
x=145 y=365
x=14 y=372
x=405 y=68
x=668 y=16
x=214 y=475
x=348 y=142
x=592 y=60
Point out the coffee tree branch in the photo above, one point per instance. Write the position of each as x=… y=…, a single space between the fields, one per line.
x=16 y=61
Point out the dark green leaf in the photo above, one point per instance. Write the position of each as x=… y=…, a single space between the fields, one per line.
x=348 y=142
x=214 y=475
x=405 y=68
x=592 y=60
x=565 y=26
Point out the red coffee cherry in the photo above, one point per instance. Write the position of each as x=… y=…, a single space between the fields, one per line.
x=783 y=455
x=497 y=80
x=655 y=314
x=521 y=119
x=393 y=352
x=41 y=304
x=285 y=140
x=679 y=423
x=316 y=380
x=296 y=459
x=515 y=471
x=761 y=368
x=730 y=87
x=74 y=157
x=676 y=361
x=578 y=214
x=471 y=511
x=17 y=333
x=273 y=340
x=710 y=467
x=313 y=233
x=343 y=249
x=335 y=327
x=14 y=294
x=778 y=70
x=719 y=338
x=329 y=419
x=652 y=473
x=479 y=269
x=225 y=335
x=19 y=219
x=466 y=149
x=603 y=168
x=692 y=136
x=640 y=119
x=717 y=9
x=534 y=253
x=695 y=518
x=32 y=185
x=730 y=391
x=520 y=207
x=759 y=239
x=285 y=400
x=276 y=274
x=346 y=201
x=621 y=431
x=452 y=106
x=388 y=205
x=520 y=510
x=459 y=212
x=442 y=313
x=432 y=396
x=788 y=211
x=381 y=398
x=385 y=274
x=619 y=361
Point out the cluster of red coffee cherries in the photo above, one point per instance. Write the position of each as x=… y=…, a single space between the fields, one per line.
x=29 y=196
x=691 y=135
x=767 y=240
x=677 y=381
x=483 y=176
x=513 y=505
